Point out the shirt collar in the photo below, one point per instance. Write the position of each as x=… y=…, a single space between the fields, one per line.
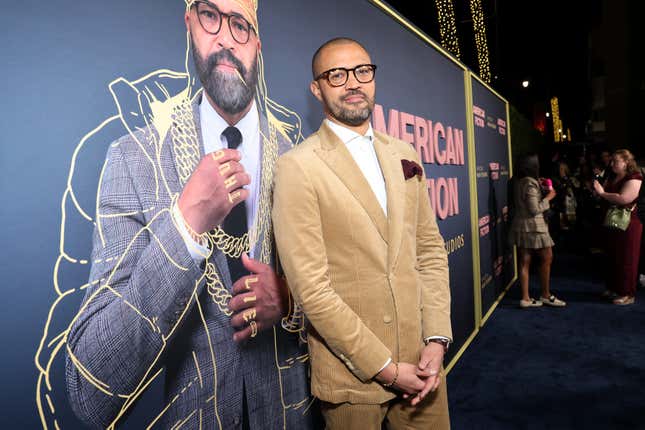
x=214 y=124
x=346 y=135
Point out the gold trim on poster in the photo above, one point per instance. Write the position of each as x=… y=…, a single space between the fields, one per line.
x=474 y=210
x=407 y=24
x=463 y=349
x=491 y=90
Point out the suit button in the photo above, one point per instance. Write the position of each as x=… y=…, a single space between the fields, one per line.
x=236 y=421
x=387 y=319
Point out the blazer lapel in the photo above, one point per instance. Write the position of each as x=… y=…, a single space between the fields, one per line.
x=390 y=162
x=338 y=158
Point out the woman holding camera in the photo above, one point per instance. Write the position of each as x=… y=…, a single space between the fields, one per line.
x=529 y=231
x=622 y=246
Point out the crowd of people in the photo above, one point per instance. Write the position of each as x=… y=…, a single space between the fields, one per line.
x=591 y=203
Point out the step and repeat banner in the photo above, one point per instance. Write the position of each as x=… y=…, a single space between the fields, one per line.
x=81 y=75
x=493 y=161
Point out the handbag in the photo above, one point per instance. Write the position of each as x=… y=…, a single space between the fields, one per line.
x=618 y=218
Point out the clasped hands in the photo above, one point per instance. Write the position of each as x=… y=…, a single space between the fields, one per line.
x=415 y=381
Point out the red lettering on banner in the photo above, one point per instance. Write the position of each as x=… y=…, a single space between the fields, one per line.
x=444 y=196
x=459 y=146
x=425 y=136
x=393 y=124
x=421 y=139
x=430 y=143
x=442 y=199
x=450 y=148
x=378 y=121
x=479 y=111
x=453 y=193
x=406 y=120
x=440 y=156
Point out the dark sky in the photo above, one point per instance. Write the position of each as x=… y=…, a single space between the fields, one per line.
x=544 y=42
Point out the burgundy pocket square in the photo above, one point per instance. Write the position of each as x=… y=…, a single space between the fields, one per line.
x=411 y=169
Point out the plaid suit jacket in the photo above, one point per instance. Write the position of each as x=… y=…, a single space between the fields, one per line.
x=147 y=314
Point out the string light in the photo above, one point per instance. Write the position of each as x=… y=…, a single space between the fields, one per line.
x=479 y=28
x=447 y=26
x=557 y=122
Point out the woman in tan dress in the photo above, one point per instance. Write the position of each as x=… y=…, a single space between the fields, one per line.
x=529 y=231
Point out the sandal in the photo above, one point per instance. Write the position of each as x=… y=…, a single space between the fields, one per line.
x=624 y=300
x=553 y=301
x=531 y=303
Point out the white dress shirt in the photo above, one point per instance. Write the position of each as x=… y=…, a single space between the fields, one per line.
x=362 y=149
x=212 y=126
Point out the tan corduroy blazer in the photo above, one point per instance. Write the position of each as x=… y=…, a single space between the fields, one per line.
x=529 y=207
x=372 y=287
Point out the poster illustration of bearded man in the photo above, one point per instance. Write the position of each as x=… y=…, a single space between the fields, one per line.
x=184 y=289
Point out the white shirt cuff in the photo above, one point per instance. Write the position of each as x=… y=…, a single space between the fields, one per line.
x=389 y=360
x=429 y=338
x=197 y=251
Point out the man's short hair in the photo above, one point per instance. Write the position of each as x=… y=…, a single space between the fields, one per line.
x=331 y=42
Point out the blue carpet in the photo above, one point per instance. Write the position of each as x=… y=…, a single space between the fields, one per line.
x=578 y=367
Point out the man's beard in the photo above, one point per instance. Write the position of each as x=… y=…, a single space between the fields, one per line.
x=353 y=117
x=228 y=91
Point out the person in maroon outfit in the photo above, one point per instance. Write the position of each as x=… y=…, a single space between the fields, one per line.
x=623 y=247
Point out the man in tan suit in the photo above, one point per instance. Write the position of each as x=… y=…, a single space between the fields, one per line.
x=363 y=256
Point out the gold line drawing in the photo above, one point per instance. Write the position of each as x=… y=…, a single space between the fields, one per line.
x=158 y=107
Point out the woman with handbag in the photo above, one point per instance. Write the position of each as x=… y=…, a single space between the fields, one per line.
x=622 y=227
x=529 y=231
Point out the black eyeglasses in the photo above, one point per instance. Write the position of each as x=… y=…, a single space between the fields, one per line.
x=210 y=18
x=364 y=73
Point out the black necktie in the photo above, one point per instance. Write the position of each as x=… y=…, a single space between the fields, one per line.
x=235 y=223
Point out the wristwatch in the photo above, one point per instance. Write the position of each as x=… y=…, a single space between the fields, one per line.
x=444 y=342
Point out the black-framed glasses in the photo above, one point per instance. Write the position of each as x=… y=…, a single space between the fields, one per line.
x=364 y=73
x=210 y=18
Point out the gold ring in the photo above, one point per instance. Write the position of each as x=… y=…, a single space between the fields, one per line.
x=250 y=299
x=254 y=328
x=249 y=281
x=217 y=155
x=230 y=182
x=232 y=196
x=224 y=167
x=249 y=315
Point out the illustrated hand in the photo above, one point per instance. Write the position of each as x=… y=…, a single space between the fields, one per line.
x=213 y=189
x=260 y=299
